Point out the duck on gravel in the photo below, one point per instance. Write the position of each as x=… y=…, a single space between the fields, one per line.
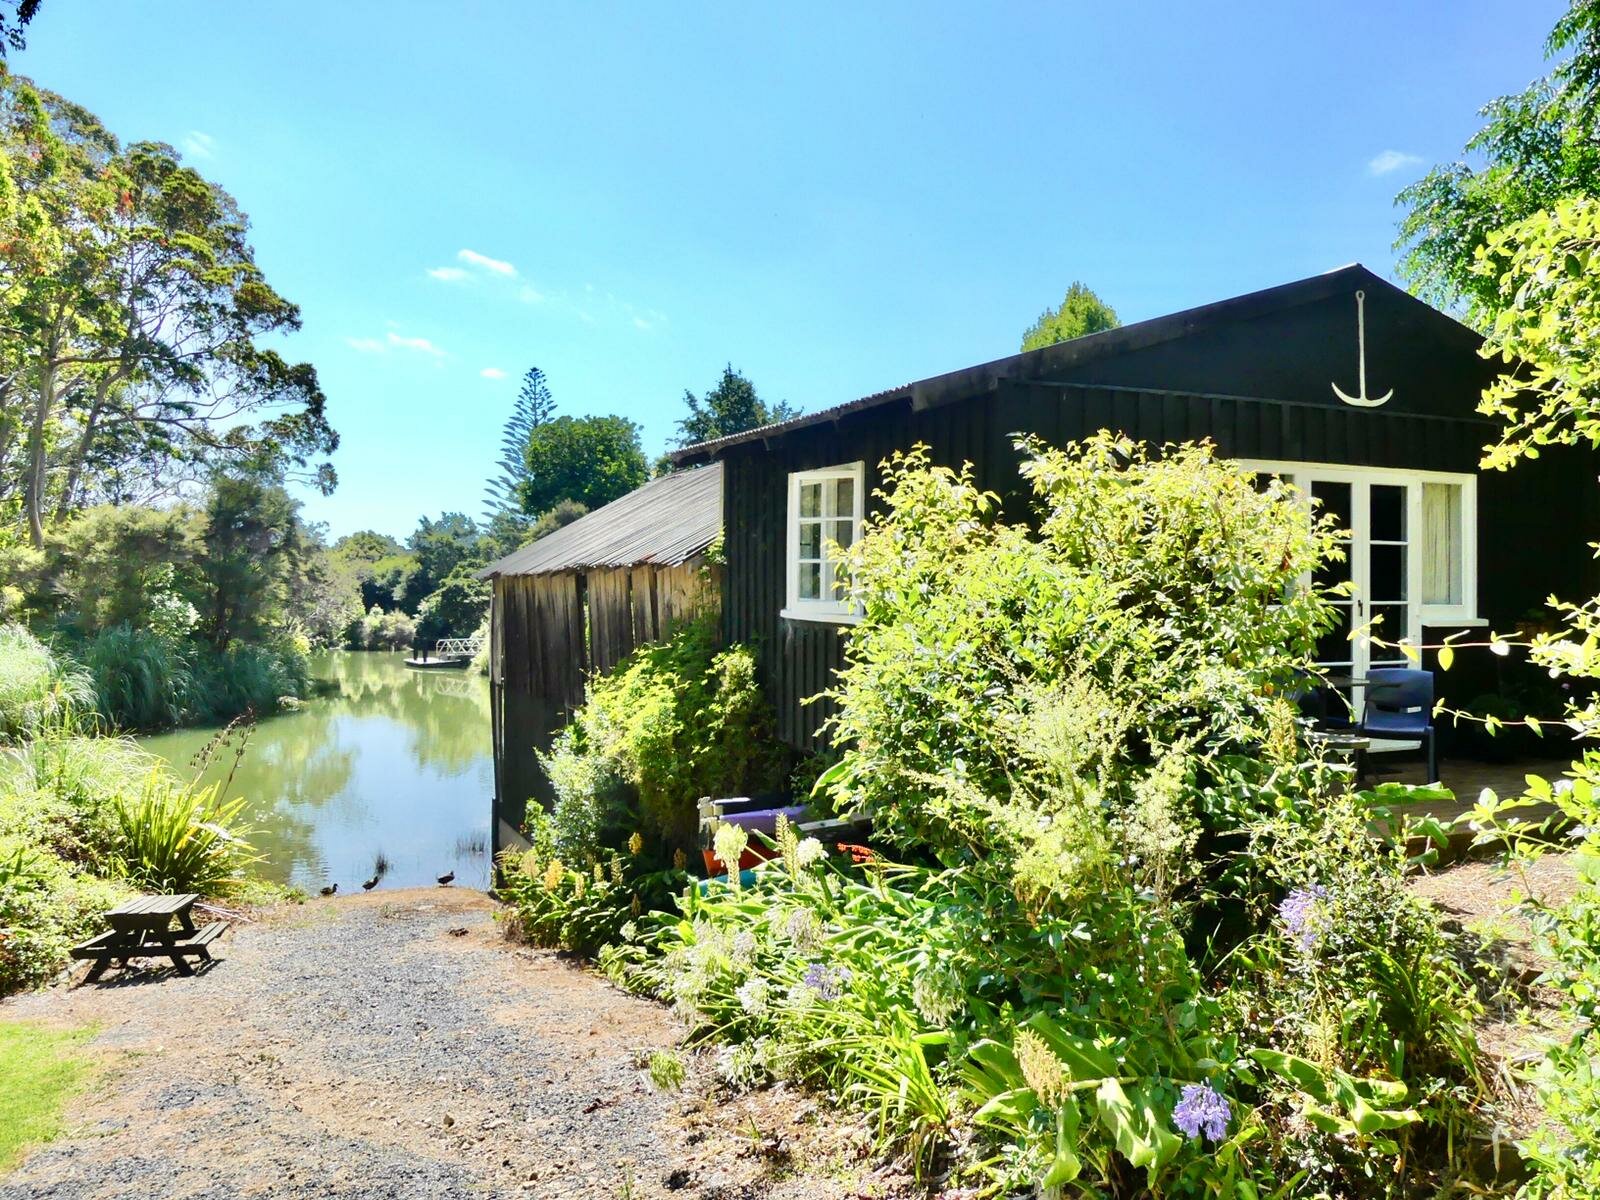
x=329 y=890
x=370 y=884
x=447 y=880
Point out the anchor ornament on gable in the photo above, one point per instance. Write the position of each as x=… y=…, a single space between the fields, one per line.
x=1362 y=400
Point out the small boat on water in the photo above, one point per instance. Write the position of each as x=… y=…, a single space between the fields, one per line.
x=437 y=664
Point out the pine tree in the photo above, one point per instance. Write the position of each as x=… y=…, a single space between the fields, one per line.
x=534 y=406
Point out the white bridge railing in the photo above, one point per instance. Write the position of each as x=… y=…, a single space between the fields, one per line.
x=466 y=647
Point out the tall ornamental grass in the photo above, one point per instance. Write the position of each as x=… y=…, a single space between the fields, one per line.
x=142 y=680
x=38 y=691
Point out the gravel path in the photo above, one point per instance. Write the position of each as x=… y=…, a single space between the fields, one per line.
x=394 y=1045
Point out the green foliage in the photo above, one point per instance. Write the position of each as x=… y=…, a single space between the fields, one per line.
x=38 y=691
x=252 y=543
x=174 y=837
x=456 y=608
x=534 y=406
x=127 y=381
x=118 y=564
x=380 y=630
x=45 y=907
x=1080 y=312
x=1535 y=149
x=591 y=460
x=141 y=680
x=1008 y=689
x=40 y=1068
x=731 y=407
x=1081 y=724
x=583 y=908
x=677 y=721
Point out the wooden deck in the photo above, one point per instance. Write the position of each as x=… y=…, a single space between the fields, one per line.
x=1467 y=780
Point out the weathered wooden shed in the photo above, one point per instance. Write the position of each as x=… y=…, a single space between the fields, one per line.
x=578 y=601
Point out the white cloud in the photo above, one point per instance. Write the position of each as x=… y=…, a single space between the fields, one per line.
x=530 y=295
x=1392 y=160
x=493 y=265
x=199 y=145
x=448 y=274
x=420 y=344
x=365 y=345
x=492 y=373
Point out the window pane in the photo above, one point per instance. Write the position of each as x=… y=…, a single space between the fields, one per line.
x=810 y=539
x=844 y=497
x=1335 y=498
x=1388 y=564
x=838 y=584
x=810 y=499
x=1388 y=513
x=810 y=581
x=842 y=532
x=1442 y=542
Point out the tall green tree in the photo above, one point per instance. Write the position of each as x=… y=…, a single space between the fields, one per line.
x=592 y=460
x=439 y=547
x=1534 y=148
x=732 y=406
x=534 y=406
x=251 y=543
x=136 y=320
x=1080 y=312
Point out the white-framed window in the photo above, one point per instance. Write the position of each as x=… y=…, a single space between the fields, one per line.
x=825 y=508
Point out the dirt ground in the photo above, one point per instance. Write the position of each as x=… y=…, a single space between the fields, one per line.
x=396 y=1045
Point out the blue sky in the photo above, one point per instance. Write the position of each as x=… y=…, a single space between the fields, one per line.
x=836 y=199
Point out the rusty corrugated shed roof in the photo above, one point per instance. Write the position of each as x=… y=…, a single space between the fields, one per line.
x=666 y=522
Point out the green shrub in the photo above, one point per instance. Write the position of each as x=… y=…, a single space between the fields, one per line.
x=46 y=906
x=1084 y=724
x=175 y=837
x=38 y=691
x=143 y=680
x=59 y=792
x=247 y=677
x=678 y=720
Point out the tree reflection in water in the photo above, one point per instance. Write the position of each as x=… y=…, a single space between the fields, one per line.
x=383 y=760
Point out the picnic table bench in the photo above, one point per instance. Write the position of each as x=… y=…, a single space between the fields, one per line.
x=143 y=928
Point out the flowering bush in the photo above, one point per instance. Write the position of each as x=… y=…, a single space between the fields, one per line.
x=678 y=720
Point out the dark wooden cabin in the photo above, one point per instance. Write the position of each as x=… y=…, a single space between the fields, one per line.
x=577 y=602
x=1361 y=393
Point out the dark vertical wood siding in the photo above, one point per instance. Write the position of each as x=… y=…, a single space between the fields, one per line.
x=1525 y=552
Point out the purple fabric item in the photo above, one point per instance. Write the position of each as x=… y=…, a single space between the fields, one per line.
x=764 y=820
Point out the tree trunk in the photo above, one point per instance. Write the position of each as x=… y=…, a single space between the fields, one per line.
x=33 y=498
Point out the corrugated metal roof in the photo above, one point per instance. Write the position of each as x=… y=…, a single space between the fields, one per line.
x=666 y=522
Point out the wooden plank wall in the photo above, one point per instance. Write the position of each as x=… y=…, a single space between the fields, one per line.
x=1522 y=556
x=547 y=633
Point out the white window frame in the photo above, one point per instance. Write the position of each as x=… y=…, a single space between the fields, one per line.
x=838 y=611
x=1464 y=613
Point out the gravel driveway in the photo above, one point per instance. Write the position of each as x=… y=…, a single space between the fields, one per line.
x=394 y=1045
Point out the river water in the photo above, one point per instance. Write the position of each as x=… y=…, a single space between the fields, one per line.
x=385 y=762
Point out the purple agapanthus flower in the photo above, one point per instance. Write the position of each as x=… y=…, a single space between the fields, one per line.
x=1302 y=915
x=828 y=982
x=1202 y=1110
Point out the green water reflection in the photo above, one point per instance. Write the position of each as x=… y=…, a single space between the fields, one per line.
x=389 y=761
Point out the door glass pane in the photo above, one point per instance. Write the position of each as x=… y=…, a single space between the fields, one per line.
x=1334 y=648
x=1334 y=499
x=810 y=499
x=1388 y=513
x=1442 y=544
x=1389 y=624
x=1388 y=573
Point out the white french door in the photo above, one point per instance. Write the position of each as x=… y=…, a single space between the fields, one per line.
x=1380 y=517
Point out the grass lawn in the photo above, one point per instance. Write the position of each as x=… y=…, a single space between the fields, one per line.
x=39 y=1069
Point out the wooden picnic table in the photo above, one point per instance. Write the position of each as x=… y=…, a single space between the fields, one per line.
x=144 y=928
